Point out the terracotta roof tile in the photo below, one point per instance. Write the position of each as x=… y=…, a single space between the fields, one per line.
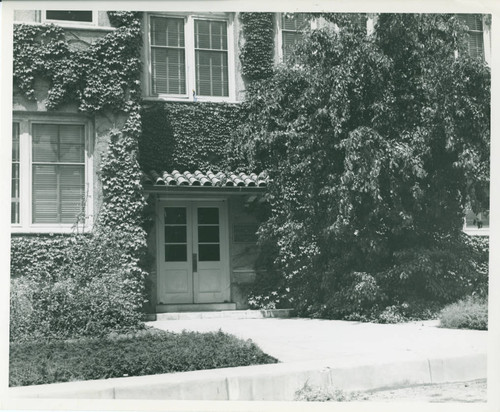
x=207 y=179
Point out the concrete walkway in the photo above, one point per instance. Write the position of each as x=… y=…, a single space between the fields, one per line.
x=298 y=339
x=351 y=356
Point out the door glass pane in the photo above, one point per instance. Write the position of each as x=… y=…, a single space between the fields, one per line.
x=208 y=234
x=209 y=252
x=175 y=253
x=208 y=215
x=175 y=215
x=175 y=234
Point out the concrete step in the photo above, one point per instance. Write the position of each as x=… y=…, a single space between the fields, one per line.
x=231 y=314
x=195 y=307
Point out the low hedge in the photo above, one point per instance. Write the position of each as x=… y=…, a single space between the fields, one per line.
x=142 y=353
x=468 y=313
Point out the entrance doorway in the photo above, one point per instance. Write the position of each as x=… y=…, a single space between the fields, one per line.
x=193 y=253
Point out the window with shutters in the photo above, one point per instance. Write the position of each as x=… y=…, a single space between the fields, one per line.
x=475 y=41
x=189 y=57
x=51 y=175
x=291 y=28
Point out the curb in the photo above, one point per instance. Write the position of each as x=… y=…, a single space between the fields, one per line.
x=277 y=382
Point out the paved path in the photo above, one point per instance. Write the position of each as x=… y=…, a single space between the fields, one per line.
x=351 y=356
x=298 y=339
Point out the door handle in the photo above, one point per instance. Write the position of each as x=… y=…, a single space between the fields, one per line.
x=195 y=262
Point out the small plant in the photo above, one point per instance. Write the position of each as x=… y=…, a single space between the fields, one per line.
x=329 y=394
x=468 y=313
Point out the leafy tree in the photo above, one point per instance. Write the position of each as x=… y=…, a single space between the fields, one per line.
x=375 y=145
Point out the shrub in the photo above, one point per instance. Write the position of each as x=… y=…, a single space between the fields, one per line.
x=141 y=353
x=468 y=313
x=360 y=135
x=77 y=285
x=359 y=294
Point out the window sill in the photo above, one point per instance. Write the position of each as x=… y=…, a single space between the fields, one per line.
x=477 y=232
x=204 y=99
x=52 y=229
x=66 y=25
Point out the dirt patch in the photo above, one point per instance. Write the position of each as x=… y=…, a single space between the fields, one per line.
x=472 y=391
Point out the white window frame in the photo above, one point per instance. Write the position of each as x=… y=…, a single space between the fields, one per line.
x=475 y=231
x=67 y=23
x=26 y=224
x=190 y=58
x=487 y=39
x=279 y=43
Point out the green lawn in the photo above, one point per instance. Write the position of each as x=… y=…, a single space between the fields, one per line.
x=145 y=353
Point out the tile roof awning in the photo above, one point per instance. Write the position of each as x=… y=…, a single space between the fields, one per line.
x=209 y=179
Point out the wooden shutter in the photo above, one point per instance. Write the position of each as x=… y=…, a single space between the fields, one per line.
x=211 y=54
x=168 y=55
x=14 y=215
x=58 y=172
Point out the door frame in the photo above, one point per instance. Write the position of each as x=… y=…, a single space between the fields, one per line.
x=222 y=202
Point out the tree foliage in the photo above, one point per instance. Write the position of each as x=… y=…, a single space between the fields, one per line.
x=375 y=145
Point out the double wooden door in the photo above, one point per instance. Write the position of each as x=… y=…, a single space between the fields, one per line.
x=193 y=253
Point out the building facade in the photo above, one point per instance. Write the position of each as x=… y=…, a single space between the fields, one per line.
x=195 y=71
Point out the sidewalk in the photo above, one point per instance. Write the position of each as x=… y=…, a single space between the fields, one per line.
x=346 y=355
x=299 y=339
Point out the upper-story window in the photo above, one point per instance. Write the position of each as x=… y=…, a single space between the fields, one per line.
x=475 y=42
x=71 y=17
x=51 y=174
x=291 y=27
x=190 y=57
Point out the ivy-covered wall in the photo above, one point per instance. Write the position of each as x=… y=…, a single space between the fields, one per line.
x=97 y=74
x=101 y=81
x=187 y=136
x=257 y=51
x=197 y=136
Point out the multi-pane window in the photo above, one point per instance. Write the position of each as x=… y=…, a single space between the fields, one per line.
x=211 y=58
x=58 y=168
x=292 y=26
x=15 y=210
x=168 y=55
x=51 y=186
x=475 y=42
x=189 y=56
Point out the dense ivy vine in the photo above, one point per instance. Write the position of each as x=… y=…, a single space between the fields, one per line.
x=188 y=136
x=257 y=53
x=102 y=79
